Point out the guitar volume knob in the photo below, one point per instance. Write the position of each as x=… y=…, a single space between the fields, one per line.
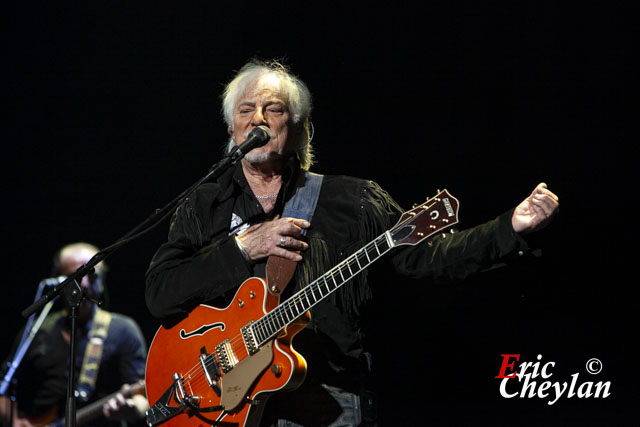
x=276 y=369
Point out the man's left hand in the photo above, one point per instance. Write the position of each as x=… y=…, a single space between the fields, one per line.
x=535 y=211
x=130 y=409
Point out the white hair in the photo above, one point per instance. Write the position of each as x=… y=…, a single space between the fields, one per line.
x=277 y=78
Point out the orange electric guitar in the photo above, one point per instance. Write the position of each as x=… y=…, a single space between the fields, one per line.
x=218 y=366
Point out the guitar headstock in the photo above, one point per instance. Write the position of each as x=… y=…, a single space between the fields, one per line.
x=427 y=219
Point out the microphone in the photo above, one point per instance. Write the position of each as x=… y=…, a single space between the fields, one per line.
x=257 y=138
x=53 y=281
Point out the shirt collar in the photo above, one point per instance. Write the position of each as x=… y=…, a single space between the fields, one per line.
x=289 y=178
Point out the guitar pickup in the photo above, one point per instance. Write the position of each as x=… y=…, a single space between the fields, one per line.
x=226 y=356
x=249 y=339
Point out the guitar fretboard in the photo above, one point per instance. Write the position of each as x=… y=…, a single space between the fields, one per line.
x=303 y=300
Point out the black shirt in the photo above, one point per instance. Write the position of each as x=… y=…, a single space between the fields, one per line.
x=43 y=374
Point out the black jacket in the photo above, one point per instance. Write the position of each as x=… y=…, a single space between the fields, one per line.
x=200 y=262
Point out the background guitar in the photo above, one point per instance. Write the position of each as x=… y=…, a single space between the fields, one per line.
x=88 y=413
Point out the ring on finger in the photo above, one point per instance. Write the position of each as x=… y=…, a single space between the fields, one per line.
x=283 y=241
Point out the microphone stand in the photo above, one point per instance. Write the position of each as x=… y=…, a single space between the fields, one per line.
x=29 y=332
x=75 y=295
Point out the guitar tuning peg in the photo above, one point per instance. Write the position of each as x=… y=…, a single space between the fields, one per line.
x=415 y=205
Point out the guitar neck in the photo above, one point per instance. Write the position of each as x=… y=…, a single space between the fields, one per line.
x=309 y=296
x=93 y=411
x=414 y=226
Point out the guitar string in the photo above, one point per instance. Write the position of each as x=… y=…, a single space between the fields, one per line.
x=195 y=379
x=237 y=343
x=348 y=263
x=196 y=375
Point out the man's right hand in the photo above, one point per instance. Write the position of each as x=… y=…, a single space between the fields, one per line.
x=280 y=236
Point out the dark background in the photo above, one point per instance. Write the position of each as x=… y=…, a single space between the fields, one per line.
x=113 y=109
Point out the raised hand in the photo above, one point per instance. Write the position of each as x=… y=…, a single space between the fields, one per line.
x=535 y=211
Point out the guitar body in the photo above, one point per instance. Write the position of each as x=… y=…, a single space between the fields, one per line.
x=205 y=358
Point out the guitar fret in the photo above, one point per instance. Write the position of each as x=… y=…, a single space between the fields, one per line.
x=299 y=306
x=358 y=261
x=306 y=295
x=366 y=252
x=260 y=332
x=257 y=331
x=382 y=244
x=349 y=268
x=272 y=325
x=345 y=271
x=316 y=287
x=365 y=258
x=281 y=319
x=333 y=278
x=285 y=314
x=294 y=309
x=371 y=252
x=278 y=315
x=356 y=265
x=265 y=333
x=265 y=336
x=326 y=282
x=323 y=287
x=278 y=321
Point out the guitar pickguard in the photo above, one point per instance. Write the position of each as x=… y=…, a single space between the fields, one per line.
x=236 y=383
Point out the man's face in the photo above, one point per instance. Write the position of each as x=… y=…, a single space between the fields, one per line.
x=264 y=107
x=71 y=260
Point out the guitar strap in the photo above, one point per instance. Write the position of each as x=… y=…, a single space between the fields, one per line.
x=304 y=201
x=93 y=353
x=302 y=205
